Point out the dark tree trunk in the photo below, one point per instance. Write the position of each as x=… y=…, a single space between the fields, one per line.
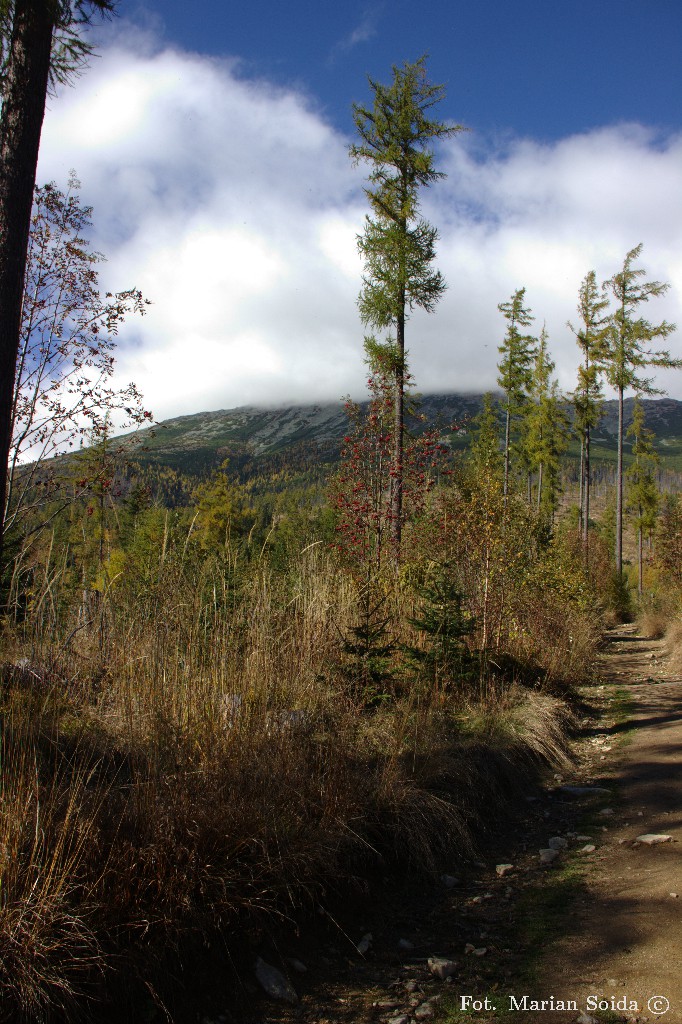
x=507 y=446
x=23 y=109
x=619 y=488
x=398 y=443
x=581 y=478
x=586 y=500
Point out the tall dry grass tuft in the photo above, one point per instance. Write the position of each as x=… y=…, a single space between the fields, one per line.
x=673 y=641
x=557 y=637
x=653 y=623
x=48 y=951
x=192 y=751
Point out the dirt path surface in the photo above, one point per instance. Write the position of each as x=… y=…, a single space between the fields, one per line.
x=598 y=928
x=624 y=943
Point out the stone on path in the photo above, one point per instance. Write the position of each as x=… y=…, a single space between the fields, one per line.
x=653 y=839
x=441 y=968
x=557 y=843
x=274 y=982
x=449 y=881
x=589 y=848
x=547 y=856
x=503 y=869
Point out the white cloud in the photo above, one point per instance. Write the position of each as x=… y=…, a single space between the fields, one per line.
x=233 y=206
x=365 y=30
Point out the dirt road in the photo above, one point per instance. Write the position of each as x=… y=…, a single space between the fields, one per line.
x=597 y=930
x=623 y=940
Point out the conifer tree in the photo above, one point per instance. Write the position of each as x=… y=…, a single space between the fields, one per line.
x=588 y=395
x=642 y=492
x=485 y=445
x=546 y=429
x=482 y=517
x=444 y=623
x=669 y=540
x=627 y=355
x=515 y=367
x=397 y=245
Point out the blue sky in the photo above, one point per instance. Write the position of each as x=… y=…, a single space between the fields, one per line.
x=544 y=68
x=212 y=142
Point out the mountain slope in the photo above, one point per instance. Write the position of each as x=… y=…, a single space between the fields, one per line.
x=200 y=442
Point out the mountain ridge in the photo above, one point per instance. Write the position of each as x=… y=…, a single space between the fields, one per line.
x=257 y=430
x=197 y=441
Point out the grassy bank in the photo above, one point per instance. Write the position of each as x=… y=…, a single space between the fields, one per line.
x=195 y=753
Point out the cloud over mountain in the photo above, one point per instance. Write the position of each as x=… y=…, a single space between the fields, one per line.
x=232 y=204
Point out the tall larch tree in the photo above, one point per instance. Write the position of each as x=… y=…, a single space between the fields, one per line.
x=588 y=395
x=41 y=43
x=515 y=367
x=546 y=429
x=628 y=353
x=398 y=246
x=485 y=443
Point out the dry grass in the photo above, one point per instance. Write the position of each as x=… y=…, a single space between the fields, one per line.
x=558 y=638
x=48 y=951
x=673 y=639
x=195 y=754
x=653 y=623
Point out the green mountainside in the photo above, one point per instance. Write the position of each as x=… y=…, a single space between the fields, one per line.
x=305 y=435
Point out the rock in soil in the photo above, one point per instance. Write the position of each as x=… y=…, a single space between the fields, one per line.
x=274 y=982
x=441 y=968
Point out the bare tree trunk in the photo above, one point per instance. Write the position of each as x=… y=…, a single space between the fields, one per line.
x=484 y=633
x=507 y=446
x=23 y=109
x=640 y=557
x=398 y=441
x=619 y=488
x=586 y=526
x=581 y=478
